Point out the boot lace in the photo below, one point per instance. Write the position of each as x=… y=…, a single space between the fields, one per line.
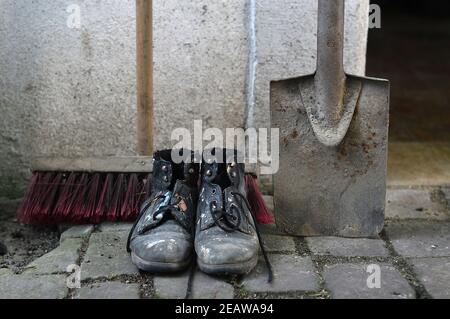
x=230 y=220
x=162 y=214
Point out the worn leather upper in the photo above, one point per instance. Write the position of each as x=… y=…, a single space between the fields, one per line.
x=164 y=231
x=225 y=231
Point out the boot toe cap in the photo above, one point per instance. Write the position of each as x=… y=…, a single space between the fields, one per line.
x=222 y=251
x=164 y=248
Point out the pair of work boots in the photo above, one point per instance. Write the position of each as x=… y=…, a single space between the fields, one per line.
x=181 y=220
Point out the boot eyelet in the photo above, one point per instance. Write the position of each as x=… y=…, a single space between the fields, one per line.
x=164 y=168
x=209 y=173
x=166 y=179
x=214 y=191
x=191 y=171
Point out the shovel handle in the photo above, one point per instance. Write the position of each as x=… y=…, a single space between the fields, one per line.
x=330 y=77
x=330 y=38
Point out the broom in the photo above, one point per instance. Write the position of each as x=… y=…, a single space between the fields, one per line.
x=92 y=190
x=85 y=190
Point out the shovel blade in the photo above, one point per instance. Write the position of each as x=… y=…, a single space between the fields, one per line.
x=323 y=190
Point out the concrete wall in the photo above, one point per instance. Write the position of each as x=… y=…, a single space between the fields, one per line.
x=64 y=91
x=200 y=64
x=71 y=92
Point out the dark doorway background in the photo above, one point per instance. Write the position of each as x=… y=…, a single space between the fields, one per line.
x=412 y=50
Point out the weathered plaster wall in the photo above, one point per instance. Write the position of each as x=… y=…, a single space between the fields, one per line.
x=64 y=91
x=200 y=64
x=70 y=92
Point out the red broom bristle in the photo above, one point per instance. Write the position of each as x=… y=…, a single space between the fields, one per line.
x=140 y=196
x=85 y=211
x=76 y=196
x=67 y=189
x=113 y=213
x=42 y=199
x=83 y=198
x=23 y=213
x=260 y=210
x=144 y=189
x=77 y=209
x=39 y=189
x=104 y=200
x=128 y=209
x=49 y=199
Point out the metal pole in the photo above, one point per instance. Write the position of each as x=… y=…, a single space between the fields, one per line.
x=330 y=76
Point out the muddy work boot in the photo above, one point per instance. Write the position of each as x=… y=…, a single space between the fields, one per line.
x=227 y=240
x=162 y=237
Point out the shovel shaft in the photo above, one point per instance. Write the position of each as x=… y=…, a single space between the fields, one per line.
x=330 y=38
x=330 y=76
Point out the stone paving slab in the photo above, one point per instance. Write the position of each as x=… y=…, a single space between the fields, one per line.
x=424 y=242
x=209 y=287
x=107 y=257
x=6 y=272
x=413 y=204
x=115 y=227
x=33 y=287
x=274 y=243
x=57 y=261
x=270 y=229
x=420 y=238
x=291 y=273
x=171 y=286
x=108 y=290
x=8 y=206
x=269 y=201
x=79 y=231
x=434 y=273
x=446 y=191
x=347 y=247
x=349 y=281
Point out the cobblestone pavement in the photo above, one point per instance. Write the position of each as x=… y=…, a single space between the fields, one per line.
x=412 y=257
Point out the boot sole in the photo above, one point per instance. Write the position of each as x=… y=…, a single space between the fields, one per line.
x=153 y=266
x=236 y=269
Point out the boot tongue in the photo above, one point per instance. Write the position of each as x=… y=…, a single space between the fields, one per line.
x=162 y=175
x=190 y=174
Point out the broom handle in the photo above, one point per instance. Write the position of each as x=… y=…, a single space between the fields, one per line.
x=144 y=74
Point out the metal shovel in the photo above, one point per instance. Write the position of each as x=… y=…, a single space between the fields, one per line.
x=333 y=143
